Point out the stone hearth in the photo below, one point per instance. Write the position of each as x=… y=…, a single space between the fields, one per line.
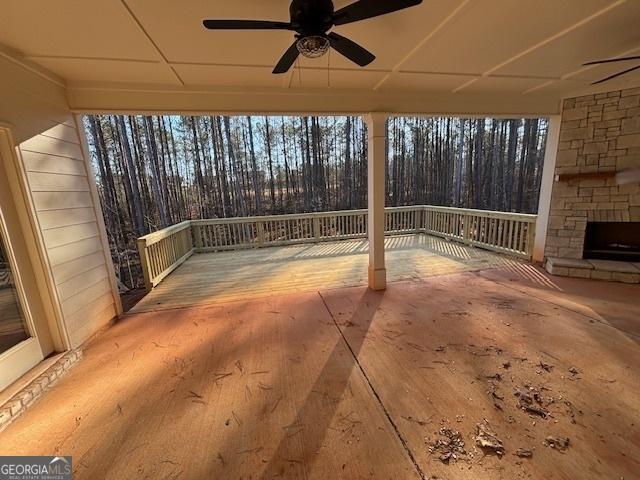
x=626 y=272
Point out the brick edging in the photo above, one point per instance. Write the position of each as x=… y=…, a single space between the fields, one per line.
x=16 y=405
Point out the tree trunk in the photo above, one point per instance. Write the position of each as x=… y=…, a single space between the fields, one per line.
x=137 y=213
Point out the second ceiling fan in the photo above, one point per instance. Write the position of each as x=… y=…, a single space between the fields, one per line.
x=614 y=60
x=312 y=21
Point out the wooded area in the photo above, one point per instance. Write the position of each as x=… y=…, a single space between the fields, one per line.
x=154 y=171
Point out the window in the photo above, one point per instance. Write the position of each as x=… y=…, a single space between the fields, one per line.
x=13 y=328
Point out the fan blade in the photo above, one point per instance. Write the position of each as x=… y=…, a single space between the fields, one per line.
x=245 y=25
x=610 y=77
x=364 y=9
x=598 y=62
x=351 y=50
x=287 y=59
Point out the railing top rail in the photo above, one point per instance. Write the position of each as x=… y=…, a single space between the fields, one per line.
x=333 y=213
x=404 y=207
x=488 y=213
x=155 y=237
x=266 y=218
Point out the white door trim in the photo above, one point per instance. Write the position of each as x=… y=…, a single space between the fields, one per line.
x=18 y=360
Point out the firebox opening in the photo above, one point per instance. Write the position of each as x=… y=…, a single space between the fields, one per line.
x=612 y=241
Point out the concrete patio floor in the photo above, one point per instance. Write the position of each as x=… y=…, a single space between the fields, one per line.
x=350 y=383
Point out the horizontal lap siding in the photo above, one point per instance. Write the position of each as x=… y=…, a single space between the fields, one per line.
x=62 y=197
x=81 y=282
x=57 y=182
x=101 y=308
x=67 y=217
x=67 y=271
x=38 y=162
x=45 y=201
x=77 y=301
x=53 y=146
x=66 y=235
x=68 y=253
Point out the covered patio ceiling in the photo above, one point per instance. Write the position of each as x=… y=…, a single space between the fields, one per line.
x=444 y=56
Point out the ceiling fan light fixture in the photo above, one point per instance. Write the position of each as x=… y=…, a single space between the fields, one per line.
x=313 y=46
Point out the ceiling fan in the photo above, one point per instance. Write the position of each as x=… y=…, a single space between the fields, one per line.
x=612 y=60
x=312 y=21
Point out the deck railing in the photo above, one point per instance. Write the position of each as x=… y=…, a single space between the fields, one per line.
x=163 y=251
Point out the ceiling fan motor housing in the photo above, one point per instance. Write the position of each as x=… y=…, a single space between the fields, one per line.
x=311 y=17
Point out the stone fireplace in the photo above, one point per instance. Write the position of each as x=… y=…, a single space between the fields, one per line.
x=599 y=139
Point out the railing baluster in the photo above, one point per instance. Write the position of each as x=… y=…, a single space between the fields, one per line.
x=509 y=235
x=521 y=237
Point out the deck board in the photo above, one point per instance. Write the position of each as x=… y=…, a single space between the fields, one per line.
x=230 y=276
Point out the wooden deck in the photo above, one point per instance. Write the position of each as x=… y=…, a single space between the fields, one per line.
x=236 y=275
x=350 y=383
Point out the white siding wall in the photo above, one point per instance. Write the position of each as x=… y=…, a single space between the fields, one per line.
x=57 y=177
x=62 y=197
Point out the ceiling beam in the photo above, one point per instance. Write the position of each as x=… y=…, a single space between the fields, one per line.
x=420 y=44
x=278 y=101
x=15 y=57
x=165 y=61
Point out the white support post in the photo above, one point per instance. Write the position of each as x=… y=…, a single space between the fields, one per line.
x=546 y=187
x=376 y=132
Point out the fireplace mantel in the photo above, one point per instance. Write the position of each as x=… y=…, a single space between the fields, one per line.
x=622 y=178
x=567 y=177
